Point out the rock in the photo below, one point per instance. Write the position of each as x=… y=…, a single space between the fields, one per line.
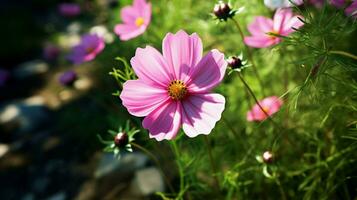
x=58 y=196
x=30 y=68
x=148 y=181
x=4 y=148
x=24 y=115
x=128 y=162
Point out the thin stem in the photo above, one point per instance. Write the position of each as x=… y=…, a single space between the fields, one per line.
x=250 y=56
x=147 y=152
x=282 y=193
x=343 y=53
x=177 y=154
x=254 y=97
x=213 y=166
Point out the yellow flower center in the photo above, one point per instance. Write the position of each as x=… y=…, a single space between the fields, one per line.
x=177 y=90
x=139 y=21
x=266 y=109
x=273 y=34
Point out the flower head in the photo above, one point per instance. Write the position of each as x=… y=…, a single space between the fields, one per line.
x=351 y=6
x=68 y=78
x=69 y=9
x=87 y=49
x=274 y=4
x=270 y=106
x=264 y=30
x=174 y=88
x=136 y=19
x=222 y=11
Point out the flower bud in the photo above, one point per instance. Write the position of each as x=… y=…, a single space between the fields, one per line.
x=121 y=140
x=68 y=78
x=222 y=11
x=268 y=157
x=234 y=62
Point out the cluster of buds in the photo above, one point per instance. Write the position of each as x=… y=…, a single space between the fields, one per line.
x=121 y=140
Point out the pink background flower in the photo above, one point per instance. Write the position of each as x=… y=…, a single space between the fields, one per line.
x=174 y=89
x=87 y=49
x=351 y=10
x=281 y=24
x=270 y=105
x=136 y=19
x=69 y=9
x=274 y=4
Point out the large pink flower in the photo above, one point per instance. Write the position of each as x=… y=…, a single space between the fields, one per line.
x=270 y=105
x=283 y=23
x=136 y=19
x=174 y=89
x=87 y=49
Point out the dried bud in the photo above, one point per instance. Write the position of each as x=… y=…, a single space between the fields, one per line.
x=222 y=11
x=234 y=62
x=121 y=139
x=268 y=157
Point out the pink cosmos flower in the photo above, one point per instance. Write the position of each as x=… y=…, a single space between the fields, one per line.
x=174 y=89
x=351 y=9
x=69 y=9
x=136 y=19
x=270 y=105
x=282 y=24
x=87 y=49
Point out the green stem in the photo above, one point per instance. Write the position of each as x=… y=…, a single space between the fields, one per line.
x=250 y=56
x=255 y=98
x=343 y=53
x=181 y=173
x=213 y=166
x=147 y=152
x=282 y=193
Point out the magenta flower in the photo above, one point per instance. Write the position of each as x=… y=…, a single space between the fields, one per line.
x=261 y=29
x=351 y=7
x=87 y=49
x=174 y=89
x=69 y=9
x=270 y=105
x=136 y=19
x=351 y=10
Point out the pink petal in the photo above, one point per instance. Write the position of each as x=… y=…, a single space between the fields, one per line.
x=281 y=17
x=150 y=67
x=273 y=105
x=128 y=31
x=141 y=98
x=143 y=8
x=182 y=52
x=201 y=112
x=129 y=14
x=260 y=26
x=261 y=41
x=208 y=73
x=164 y=122
x=294 y=22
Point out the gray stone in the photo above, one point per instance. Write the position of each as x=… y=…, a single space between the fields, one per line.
x=30 y=68
x=148 y=181
x=129 y=162
x=23 y=115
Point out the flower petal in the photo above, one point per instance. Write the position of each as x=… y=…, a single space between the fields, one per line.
x=261 y=41
x=182 y=52
x=143 y=8
x=260 y=26
x=294 y=22
x=128 y=31
x=208 y=73
x=150 y=67
x=141 y=98
x=129 y=14
x=282 y=17
x=201 y=112
x=164 y=122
